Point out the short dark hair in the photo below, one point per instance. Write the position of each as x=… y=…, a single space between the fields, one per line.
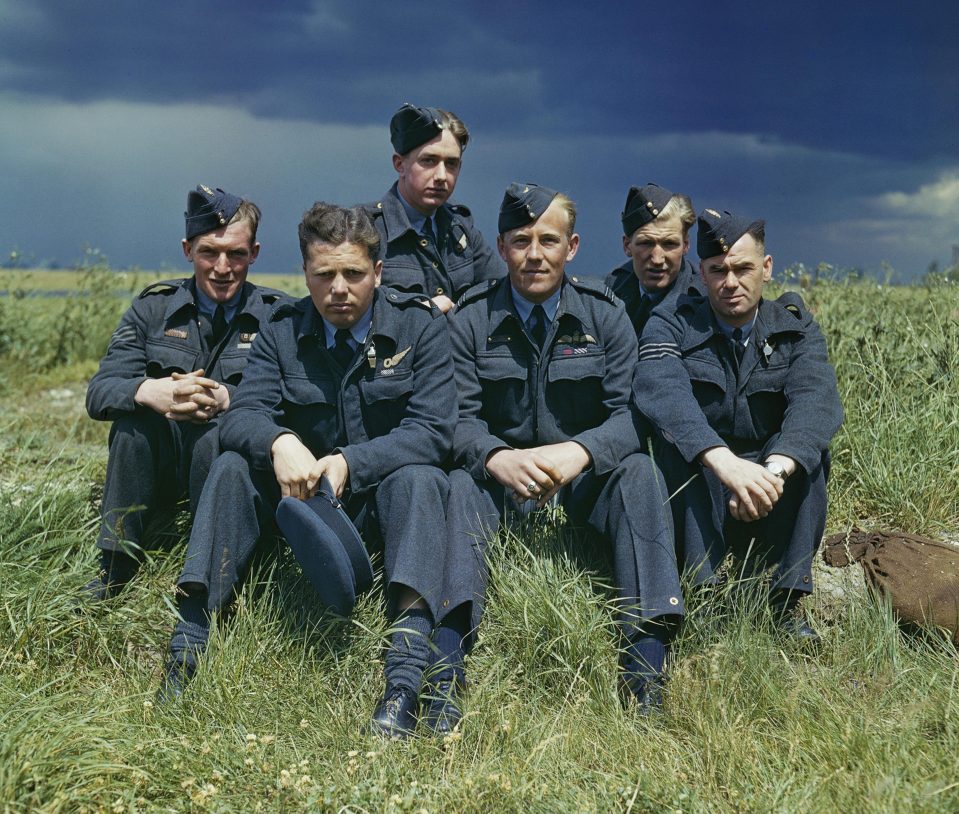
x=329 y=223
x=758 y=232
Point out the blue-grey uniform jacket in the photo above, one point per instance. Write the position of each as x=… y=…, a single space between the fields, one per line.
x=625 y=285
x=411 y=263
x=578 y=389
x=395 y=405
x=783 y=398
x=159 y=335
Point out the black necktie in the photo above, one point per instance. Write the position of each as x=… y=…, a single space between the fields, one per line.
x=219 y=324
x=536 y=325
x=738 y=345
x=428 y=232
x=641 y=310
x=342 y=351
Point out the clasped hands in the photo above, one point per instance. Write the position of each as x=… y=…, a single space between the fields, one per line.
x=755 y=490
x=537 y=473
x=184 y=397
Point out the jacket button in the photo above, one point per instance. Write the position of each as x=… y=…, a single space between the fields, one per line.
x=424 y=243
x=435 y=265
x=439 y=290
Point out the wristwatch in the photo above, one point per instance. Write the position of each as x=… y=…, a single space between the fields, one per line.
x=775 y=468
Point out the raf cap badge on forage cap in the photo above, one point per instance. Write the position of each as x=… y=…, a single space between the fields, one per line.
x=522 y=204
x=643 y=205
x=717 y=232
x=208 y=209
x=412 y=126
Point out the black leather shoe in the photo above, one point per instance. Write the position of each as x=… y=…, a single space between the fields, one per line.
x=643 y=695
x=443 y=711
x=176 y=675
x=395 y=715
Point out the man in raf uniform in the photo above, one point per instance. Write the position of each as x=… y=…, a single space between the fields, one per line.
x=543 y=364
x=743 y=394
x=427 y=244
x=656 y=224
x=172 y=366
x=350 y=384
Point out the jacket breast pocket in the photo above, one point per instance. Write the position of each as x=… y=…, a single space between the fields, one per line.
x=765 y=392
x=385 y=399
x=229 y=369
x=164 y=359
x=574 y=390
x=310 y=408
x=505 y=383
x=403 y=274
x=304 y=391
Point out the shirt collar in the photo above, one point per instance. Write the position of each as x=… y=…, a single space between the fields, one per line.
x=207 y=306
x=727 y=330
x=657 y=295
x=524 y=307
x=359 y=330
x=416 y=218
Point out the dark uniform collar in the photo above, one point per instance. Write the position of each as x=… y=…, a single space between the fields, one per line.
x=397 y=222
x=387 y=321
x=503 y=309
x=771 y=319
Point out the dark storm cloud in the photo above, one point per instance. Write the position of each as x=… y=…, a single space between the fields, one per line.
x=882 y=81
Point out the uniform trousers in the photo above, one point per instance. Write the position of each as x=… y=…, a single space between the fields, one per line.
x=153 y=462
x=407 y=511
x=627 y=506
x=784 y=541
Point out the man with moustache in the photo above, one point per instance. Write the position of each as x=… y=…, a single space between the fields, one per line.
x=171 y=368
x=543 y=365
x=427 y=244
x=745 y=400
x=656 y=224
x=349 y=384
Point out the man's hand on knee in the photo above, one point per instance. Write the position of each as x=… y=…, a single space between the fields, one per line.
x=568 y=459
x=293 y=465
x=336 y=470
x=527 y=473
x=755 y=490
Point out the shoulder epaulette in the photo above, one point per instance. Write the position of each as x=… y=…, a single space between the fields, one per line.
x=161 y=287
x=794 y=304
x=271 y=295
x=595 y=287
x=687 y=303
x=405 y=299
x=286 y=306
x=476 y=292
x=374 y=209
x=461 y=209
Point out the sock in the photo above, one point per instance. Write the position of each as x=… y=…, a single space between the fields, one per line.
x=192 y=630
x=783 y=602
x=409 y=650
x=451 y=640
x=117 y=567
x=645 y=654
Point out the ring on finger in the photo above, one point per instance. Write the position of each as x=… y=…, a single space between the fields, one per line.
x=532 y=487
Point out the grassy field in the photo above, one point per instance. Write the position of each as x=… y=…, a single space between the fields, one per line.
x=273 y=722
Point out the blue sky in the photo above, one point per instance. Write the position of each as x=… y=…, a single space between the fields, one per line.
x=837 y=122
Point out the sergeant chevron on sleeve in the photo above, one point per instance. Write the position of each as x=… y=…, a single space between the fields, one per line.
x=742 y=394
